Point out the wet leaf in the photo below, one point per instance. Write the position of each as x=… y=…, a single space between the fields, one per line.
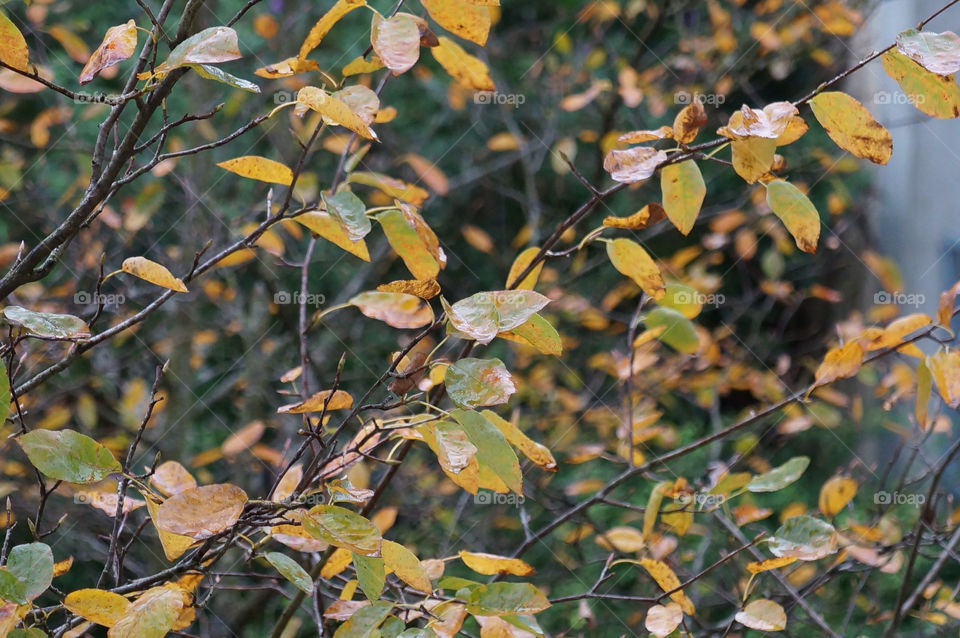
x=780 y=477
x=69 y=456
x=341 y=527
x=32 y=565
x=210 y=46
x=936 y=52
x=203 y=511
x=796 y=212
x=805 y=537
x=119 y=43
x=396 y=309
x=484 y=315
x=493 y=451
x=350 y=211
x=473 y=383
x=153 y=272
x=46 y=325
x=852 y=127
x=260 y=169
x=210 y=72
x=503 y=599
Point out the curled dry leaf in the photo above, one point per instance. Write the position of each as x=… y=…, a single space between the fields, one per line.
x=396 y=309
x=119 y=43
x=936 y=52
x=202 y=512
x=643 y=218
x=770 y=122
x=153 y=272
x=633 y=164
x=688 y=122
x=338 y=400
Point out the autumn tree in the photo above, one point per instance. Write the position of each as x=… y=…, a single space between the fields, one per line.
x=269 y=368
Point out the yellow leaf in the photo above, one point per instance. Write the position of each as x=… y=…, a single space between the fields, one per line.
x=202 y=512
x=467 y=70
x=753 y=157
x=465 y=19
x=894 y=333
x=339 y=401
x=841 y=362
x=945 y=367
x=852 y=127
x=491 y=564
x=324 y=225
x=339 y=560
x=622 y=538
x=668 y=581
x=534 y=451
x=260 y=169
x=335 y=111
x=13 y=47
x=324 y=24
x=402 y=234
x=643 y=218
x=154 y=613
x=286 y=68
x=97 y=605
x=174 y=545
x=770 y=563
x=683 y=194
x=935 y=95
x=835 y=494
x=361 y=65
x=636 y=137
x=520 y=264
x=796 y=212
x=153 y=272
x=119 y=43
x=405 y=565
x=762 y=615
x=170 y=477
x=629 y=257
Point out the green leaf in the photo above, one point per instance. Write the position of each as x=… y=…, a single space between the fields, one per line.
x=683 y=194
x=409 y=245
x=474 y=383
x=11 y=588
x=32 y=564
x=805 y=537
x=351 y=212
x=69 y=456
x=797 y=213
x=779 y=477
x=364 y=622
x=684 y=299
x=502 y=599
x=371 y=574
x=209 y=72
x=418 y=632
x=935 y=95
x=31 y=632
x=539 y=333
x=493 y=450
x=486 y=314
x=455 y=582
x=291 y=570
x=341 y=527
x=210 y=46
x=46 y=325
x=678 y=332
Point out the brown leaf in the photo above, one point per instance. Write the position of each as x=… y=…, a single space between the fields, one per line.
x=119 y=43
x=203 y=511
